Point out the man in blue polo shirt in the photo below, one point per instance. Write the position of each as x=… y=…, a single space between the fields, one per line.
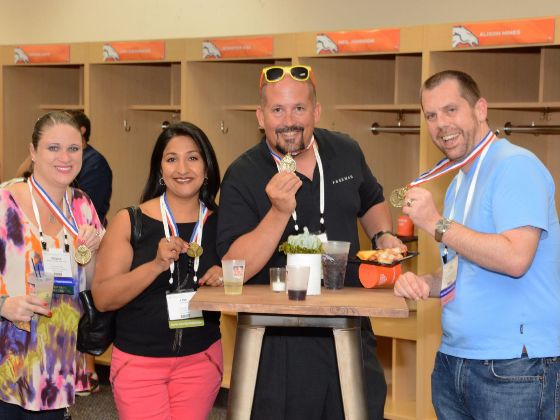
x=500 y=279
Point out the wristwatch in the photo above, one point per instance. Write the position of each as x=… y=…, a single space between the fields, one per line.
x=442 y=226
x=379 y=235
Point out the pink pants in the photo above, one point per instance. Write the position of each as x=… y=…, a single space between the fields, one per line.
x=165 y=388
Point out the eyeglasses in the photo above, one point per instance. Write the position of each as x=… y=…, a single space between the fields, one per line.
x=274 y=74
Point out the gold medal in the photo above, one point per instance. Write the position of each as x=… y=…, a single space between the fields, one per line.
x=397 y=196
x=82 y=255
x=287 y=164
x=194 y=250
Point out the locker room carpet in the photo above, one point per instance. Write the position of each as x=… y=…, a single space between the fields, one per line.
x=100 y=406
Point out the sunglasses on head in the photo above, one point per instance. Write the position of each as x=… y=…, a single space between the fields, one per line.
x=274 y=74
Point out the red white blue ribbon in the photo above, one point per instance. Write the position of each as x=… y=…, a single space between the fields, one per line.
x=68 y=223
x=446 y=165
x=170 y=227
x=277 y=159
x=169 y=218
x=196 y=235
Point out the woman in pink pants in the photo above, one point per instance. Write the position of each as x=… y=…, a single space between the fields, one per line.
x=167 y=360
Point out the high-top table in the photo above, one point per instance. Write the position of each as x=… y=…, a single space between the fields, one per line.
x=258 y=307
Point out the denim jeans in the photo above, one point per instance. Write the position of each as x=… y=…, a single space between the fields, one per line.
x=523 y=389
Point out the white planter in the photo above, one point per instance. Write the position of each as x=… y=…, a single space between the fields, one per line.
x=314 y=263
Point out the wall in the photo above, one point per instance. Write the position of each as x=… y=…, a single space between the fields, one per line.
x=36 y=21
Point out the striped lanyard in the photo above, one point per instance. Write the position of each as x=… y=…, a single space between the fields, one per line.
x=67 y=223
x=446 y=165
x=277 y=160
x=170 y=227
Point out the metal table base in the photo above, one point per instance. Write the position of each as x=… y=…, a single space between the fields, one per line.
x=250 y=332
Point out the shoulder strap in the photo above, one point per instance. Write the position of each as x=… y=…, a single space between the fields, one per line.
x=135 y=214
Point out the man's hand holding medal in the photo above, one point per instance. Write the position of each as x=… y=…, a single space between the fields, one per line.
x=420 y=207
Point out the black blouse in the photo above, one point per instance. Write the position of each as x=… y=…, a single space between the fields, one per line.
x=142 y=324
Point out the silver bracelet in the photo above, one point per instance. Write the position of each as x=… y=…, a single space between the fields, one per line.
x=2 y=301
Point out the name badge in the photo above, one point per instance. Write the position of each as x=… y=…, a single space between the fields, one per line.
x=178 y=311
x=448 y=279
x=63 y=286
x=57 y=263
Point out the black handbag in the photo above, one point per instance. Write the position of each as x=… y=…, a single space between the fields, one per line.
x=96 y=330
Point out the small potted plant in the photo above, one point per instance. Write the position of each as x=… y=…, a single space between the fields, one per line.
x=305 y=249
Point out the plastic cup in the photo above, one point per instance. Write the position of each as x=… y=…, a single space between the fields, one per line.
x=42 y=286
x=296 y=279
x=233 y=273
x=334 y=261
x=278 y=279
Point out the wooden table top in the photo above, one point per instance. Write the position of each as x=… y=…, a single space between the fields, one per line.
x=259 y=299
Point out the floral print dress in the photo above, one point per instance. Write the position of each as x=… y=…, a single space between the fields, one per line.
x=40 y=369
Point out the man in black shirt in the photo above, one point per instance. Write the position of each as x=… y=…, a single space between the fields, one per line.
x=263 y=204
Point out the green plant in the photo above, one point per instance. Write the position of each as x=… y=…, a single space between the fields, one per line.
x=304 y=243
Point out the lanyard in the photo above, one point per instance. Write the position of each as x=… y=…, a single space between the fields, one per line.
x=53 y=207
x=446 y=165
x=277 y=160
x=470 y=193
x=169 y=224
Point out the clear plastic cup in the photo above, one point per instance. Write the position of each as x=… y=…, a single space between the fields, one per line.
x=42 y=286
x=334 y=261
x=297 y=277
x=278 y=279
x=233 y=273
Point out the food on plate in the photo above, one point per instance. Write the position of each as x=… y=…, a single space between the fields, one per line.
x=382 y=256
